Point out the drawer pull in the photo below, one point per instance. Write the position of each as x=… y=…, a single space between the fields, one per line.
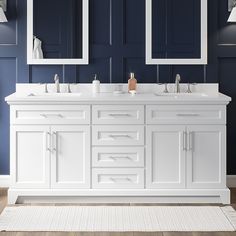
x=120 y=136
x=190 y=141
x=188 y=115
x=51 y=115
x=115 y=158
x=127 y=179
x=119 y=115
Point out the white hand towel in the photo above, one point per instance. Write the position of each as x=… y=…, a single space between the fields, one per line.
x=37 y=50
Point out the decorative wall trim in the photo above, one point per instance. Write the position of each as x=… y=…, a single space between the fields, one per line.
x=4 y=181
x=231 y=181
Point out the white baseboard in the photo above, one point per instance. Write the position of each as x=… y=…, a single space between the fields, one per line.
x=231 y=181
x=4 y=181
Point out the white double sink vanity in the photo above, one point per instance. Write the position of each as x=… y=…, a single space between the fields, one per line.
x=146 y=148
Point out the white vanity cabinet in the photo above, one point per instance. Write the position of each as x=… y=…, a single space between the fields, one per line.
x=102 y=149
x=45 y=155
x=186 y=146
x=191 y=157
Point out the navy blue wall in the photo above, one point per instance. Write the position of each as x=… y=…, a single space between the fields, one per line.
x=117 y=46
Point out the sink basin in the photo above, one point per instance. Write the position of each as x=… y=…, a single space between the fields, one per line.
x=180 y=95
x=55 y=95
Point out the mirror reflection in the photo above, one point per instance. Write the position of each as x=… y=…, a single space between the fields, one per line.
x=176 y=29
x=57 y=29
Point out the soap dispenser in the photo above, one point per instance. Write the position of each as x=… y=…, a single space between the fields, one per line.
x=132 y=84
x=96 y=85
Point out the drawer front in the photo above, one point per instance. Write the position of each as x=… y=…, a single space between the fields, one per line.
x=196 y=114
x=56 y=114
x=118 y=178
x=107 y=114
x=118 y=157
x=118 y=135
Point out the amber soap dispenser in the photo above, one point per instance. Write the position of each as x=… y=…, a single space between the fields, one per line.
x=132 y=84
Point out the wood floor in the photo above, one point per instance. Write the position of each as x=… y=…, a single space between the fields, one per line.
x=3 y=203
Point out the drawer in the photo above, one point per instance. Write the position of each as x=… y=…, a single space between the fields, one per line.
x=118 y=178
x=118 y=157
x=105 y=115
x=182 y=114
x=118 y=135
x=50 y=114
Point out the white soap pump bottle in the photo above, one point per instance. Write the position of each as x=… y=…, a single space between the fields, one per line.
x=96 y=85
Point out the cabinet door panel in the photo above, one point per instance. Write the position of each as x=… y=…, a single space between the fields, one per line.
x=206 y=157
x=71 y=157
x=30 y=156
x=165 y=157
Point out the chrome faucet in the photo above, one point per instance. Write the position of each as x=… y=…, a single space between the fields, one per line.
x=57 y=83
x=177 y=82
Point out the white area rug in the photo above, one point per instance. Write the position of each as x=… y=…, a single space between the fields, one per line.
x=118 y=219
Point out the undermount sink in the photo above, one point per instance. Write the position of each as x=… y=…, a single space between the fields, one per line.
x=55 y=95
x=177 y=95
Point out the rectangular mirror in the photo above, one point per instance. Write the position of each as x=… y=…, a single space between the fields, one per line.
x=176 y=32
x=57 y=32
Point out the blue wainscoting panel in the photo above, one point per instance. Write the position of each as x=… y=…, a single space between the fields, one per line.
x=9 y=37
x=7 y=86
x=190 y=74
x=134 y=22
x=142 y=71
x=227 y=73
x=45 y=73
x=100 y=66
x=100 y=22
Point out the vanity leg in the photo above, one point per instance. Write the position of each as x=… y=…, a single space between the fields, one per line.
x=225 y=197
x=12 y=197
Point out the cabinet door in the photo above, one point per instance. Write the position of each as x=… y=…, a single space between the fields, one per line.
x=206 y=156
x=166 y=156
x=30 y=156
x=70 y=157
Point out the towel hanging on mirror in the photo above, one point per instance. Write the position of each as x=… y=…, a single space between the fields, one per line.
x=37 y=49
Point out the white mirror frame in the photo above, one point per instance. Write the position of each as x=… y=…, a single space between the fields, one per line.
x=67 y=61
x=175 y=61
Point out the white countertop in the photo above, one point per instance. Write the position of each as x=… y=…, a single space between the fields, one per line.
x=149 y=94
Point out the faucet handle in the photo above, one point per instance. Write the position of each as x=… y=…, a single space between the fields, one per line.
x=69 y=88
x=46 y=88
x=166 y=87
